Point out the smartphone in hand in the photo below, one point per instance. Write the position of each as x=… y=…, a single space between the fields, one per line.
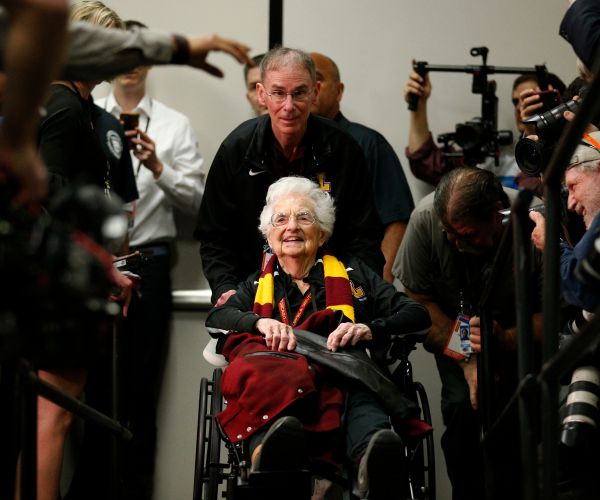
x=130 y=121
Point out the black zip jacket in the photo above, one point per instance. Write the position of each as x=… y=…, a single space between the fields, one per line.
x=376 y=302
x=237 y=183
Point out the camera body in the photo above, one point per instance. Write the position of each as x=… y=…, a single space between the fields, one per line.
x=479 y=139
x=533 y=156
x=57 y=308
x=549 y=99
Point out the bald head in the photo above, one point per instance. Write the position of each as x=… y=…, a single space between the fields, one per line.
x=468 y=193
x=327 y=103
x=467 y=201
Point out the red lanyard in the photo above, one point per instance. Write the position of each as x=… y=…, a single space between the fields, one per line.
x=284 y=314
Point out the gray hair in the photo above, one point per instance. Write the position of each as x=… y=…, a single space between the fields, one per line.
x=587 y=167
x=324 y=206
x=586 y=155
x=284 y=57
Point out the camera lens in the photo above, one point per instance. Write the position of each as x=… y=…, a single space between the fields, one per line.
x=551 y=123
x=531 y=156
x=504 y=137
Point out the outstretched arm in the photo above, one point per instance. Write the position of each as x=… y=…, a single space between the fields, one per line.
x=99 y=53
x=418 y=131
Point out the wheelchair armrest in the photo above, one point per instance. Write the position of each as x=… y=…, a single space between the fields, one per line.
x=410 y=338
x=210 y=354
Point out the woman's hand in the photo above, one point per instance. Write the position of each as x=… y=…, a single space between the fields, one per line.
x=278 y=335
x=347 y=333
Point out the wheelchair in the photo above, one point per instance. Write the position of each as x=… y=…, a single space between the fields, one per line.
x=234 y=479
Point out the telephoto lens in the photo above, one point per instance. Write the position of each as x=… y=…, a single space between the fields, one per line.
x=580 y=424
x=551 y=123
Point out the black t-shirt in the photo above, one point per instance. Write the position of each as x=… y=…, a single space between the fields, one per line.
x=67 y=142
x=112 y=139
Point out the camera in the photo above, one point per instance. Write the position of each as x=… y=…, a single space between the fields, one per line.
x=57 y=308
x=479 y=139
x=505 y=212
x=133 y=263
x=580 y=422
x=549 y=99
x=533 y=156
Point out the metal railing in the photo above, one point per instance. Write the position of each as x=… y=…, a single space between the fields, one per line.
x=544 y=420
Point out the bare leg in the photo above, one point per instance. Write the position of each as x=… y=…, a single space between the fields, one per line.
x=53 y=425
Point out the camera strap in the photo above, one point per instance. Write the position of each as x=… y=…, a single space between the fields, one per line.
x=592 y=141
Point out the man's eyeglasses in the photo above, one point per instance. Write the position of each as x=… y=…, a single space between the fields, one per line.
x=279 y=96
x=303 y=218
x=515 y=101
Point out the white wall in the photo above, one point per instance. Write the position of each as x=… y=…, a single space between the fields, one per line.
x=373 y=44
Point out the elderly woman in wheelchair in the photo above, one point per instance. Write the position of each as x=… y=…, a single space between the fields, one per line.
x=288 y=406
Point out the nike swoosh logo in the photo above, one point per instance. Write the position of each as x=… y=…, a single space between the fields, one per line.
x=252 y=173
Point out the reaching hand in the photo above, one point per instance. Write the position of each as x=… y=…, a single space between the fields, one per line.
x=201 y=46
x=278 y=335
x=348 y=333
x=224 y=297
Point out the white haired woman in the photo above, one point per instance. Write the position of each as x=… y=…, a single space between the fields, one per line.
x=301 y=286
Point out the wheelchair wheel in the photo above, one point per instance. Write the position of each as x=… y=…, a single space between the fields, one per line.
x=207 y=472
x=423 y=460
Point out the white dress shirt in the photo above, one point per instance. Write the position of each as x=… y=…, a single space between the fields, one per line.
x=181 y=183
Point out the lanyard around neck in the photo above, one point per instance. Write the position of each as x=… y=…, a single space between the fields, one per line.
x=284 y=313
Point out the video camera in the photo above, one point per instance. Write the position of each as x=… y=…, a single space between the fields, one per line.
x=478 y=138
x=55 y=271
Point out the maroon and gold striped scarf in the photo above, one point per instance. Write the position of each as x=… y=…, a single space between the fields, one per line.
x=338 y=294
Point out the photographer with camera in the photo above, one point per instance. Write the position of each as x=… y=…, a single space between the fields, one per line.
x=582 y=180
x=578 y=282
x=428 y=162
x=445 y=262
